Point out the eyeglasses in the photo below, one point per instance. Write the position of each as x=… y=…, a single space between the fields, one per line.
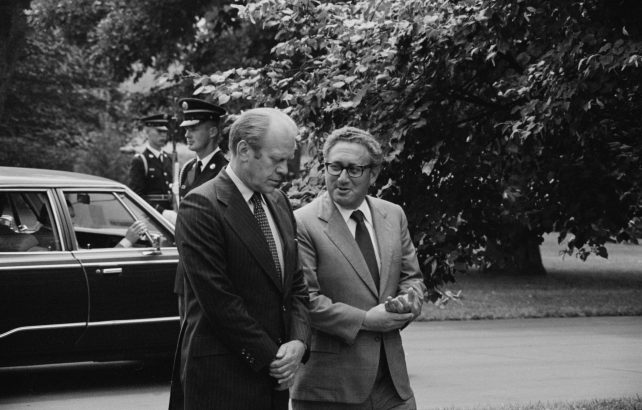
x=354 y=171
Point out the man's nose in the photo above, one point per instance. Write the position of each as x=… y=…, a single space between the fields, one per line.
x=282 y=168
x=343 y=175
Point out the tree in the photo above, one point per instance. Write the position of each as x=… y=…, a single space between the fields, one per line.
x=13 y=25
x=502 y=120
x=60 y=65
x=69 y=57
x=52 y=103
x=129 y=37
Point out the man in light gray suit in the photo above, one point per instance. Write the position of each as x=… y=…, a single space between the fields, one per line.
x=364 y=282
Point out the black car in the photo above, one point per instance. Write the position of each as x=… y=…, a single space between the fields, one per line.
x=69 y=291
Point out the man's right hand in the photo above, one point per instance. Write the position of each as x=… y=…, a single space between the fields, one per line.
x=380 y=320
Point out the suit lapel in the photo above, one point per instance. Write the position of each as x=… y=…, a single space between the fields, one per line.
x=338 y=232
x=382 y=229
x=240 y=218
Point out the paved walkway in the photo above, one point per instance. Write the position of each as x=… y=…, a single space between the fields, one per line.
x=452 y=365
x=490 y=363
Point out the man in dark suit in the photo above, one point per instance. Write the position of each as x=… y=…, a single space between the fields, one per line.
x=365 y=285
x=201 y=122
x=150 y=172
x=246 y=327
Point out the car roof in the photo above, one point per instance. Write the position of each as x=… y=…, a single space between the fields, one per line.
x=49 y=178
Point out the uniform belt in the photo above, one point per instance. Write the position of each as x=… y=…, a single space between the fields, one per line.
x=157 y=197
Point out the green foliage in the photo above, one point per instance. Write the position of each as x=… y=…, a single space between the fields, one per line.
x=52 y=103
x=101 y=154
x=65 y=79
x=501 y=120
x=13 y=25
x=118 y=33
x=128 y=37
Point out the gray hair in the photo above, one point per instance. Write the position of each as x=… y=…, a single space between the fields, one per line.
x=357 y=136
x=253 y=125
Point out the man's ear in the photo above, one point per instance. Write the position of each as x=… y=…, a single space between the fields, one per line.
x=213 y=132
x=374 y=173
x=243 y=150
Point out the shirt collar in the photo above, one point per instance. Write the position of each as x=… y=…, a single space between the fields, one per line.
x=154 y=151
x=206 y=160
x=346 y=213
x=245 y=191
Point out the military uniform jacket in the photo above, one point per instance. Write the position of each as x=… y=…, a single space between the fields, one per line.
x=211 y=169
x=156 y=179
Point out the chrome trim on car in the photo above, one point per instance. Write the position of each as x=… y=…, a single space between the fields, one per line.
x=91 y=324
x=43 y=327
x=134 y=321
x=87 y=264
x=25 y=267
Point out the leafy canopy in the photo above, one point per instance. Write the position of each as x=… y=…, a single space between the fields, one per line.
x=501 y=120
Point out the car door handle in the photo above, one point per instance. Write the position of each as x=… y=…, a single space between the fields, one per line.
x=110 y=271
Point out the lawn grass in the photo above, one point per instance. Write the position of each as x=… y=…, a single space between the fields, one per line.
x=607 y=404
x=596 y=287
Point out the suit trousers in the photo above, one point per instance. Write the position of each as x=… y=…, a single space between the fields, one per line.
x=383 y=396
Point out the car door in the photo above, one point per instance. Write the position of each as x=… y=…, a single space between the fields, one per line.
x=133 y=310
x=43 y=290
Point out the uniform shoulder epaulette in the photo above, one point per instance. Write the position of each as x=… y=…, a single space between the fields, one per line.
x=142 y=158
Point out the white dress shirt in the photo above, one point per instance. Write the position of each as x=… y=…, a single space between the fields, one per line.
x=156 y=152
x=247 y=196
x=367 y=217
x=205 y=160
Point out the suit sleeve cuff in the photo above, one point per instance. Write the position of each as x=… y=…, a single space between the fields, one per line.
x=125 y=243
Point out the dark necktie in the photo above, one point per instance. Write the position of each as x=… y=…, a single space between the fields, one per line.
x=197 y=171
x=362 y=237
x=261 y=218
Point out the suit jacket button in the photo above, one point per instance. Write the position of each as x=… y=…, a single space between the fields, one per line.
x=378 y=338
x=284 y=308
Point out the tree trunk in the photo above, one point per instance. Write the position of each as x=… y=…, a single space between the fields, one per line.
x=519 y=255
x=13 y=27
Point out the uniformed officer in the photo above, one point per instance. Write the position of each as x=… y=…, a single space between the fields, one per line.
x=202 y=133
x=150 y=173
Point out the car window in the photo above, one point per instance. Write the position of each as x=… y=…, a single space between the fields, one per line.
x=27 y=223
x=100 y=219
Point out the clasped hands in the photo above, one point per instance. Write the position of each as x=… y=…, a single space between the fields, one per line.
x=410 y=302
x=284 y=367
x=394 y=313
